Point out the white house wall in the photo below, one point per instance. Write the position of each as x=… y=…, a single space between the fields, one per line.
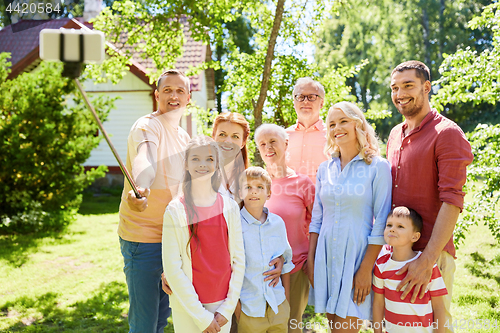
x=200 y=99
x=135 y=101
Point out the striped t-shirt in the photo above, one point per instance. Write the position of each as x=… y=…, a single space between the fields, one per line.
x=401 y=315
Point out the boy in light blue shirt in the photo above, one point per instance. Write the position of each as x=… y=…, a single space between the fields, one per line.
x=262 y=308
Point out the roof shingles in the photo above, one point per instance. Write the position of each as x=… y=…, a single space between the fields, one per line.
x=23 y=42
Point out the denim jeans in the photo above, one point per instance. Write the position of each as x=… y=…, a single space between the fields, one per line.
x=149 y=306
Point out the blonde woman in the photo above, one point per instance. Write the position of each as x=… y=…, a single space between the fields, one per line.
x=353 y=198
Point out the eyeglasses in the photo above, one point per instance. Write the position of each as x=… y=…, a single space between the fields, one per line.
x=310 y=98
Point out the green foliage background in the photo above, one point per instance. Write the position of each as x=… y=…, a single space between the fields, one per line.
x=46 y=133
x=385 y=33
x=472 y=77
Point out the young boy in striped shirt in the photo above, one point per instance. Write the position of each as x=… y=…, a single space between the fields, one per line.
x=425 y=315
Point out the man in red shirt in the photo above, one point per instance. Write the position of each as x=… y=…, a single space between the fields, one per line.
x=429 y=155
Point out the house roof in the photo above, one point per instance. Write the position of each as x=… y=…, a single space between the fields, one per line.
x=22 y=41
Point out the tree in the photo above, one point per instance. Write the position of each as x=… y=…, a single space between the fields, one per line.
x=44 y=142
x=388 y=32
x=283 y=66
x=259 y=83
x=264 y=86
x=472 y=77
x=154 y=29
x=238 y=34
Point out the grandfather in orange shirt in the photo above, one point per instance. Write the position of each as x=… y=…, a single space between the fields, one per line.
x=307 y=138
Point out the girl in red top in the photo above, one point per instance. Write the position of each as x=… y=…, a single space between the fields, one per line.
x=202 y=247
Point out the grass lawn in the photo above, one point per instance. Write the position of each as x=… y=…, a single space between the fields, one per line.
x=476 y=290
x=69 y=282
x=73 y=281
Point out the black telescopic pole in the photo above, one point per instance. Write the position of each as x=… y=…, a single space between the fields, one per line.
x=99 y=123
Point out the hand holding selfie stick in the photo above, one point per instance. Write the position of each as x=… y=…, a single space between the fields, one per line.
x=68 y=46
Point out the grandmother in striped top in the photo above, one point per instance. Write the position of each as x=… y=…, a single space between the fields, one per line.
x=427 y=314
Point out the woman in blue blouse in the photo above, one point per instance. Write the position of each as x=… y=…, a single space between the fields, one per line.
x=353 y=198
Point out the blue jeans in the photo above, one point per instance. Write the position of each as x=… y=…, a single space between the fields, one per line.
x=149 y=307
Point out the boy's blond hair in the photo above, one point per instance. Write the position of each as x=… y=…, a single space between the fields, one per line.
x=256 y=173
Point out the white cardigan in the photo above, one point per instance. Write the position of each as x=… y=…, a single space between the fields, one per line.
x=177 y=262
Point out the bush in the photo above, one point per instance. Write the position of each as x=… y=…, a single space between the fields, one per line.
x=46 y=133
x=483 y=179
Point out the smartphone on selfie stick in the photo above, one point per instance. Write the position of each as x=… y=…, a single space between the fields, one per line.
x=74 y=47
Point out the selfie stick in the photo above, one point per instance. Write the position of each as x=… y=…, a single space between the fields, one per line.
x=108 y=140
x=72 y=69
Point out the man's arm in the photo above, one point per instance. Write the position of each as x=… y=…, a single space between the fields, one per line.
x=144 y=164
x=420 y=270
x=144 y=173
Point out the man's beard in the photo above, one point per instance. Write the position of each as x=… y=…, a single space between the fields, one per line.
x=410 y=112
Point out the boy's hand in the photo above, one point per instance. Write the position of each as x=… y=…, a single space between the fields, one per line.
x=274 y=274
x=164 y=285
x=221 y=320
x=237 y=311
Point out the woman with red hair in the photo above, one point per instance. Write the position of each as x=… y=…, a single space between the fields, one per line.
x=231 y=131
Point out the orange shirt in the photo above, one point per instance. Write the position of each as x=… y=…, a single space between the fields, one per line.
x=305 y=147
x=147 y=226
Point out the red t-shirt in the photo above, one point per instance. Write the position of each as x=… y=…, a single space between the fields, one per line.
x=210 y=258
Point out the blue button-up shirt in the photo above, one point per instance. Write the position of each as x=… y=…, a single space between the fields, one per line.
x=263 y=243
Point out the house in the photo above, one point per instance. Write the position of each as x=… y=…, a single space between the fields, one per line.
x=136 y=94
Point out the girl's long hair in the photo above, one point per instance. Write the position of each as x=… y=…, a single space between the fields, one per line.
x=367 y=140
x=187 y=190
x=240 y=160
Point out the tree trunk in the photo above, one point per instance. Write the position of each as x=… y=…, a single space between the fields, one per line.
x=442 y=35
x=257 y=112
x=426 y=36
x=219 y=77
x=279 y=117
x=364 y=98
